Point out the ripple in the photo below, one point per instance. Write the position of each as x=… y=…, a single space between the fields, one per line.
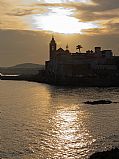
x=42 y=121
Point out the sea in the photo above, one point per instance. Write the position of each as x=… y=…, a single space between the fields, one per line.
x=40 y=121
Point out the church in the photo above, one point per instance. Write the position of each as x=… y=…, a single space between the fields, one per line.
x=66 y=65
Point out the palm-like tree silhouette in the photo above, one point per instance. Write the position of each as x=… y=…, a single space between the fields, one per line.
x=79 y=47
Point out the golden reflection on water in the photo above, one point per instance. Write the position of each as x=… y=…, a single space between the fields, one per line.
x=64 y=121
x=72 y=135
x=51 y=121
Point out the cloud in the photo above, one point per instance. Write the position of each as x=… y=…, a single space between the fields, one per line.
x=106 y=5
x=113 y=27
x=9 y=21
x=102 y=12
x=21 y=12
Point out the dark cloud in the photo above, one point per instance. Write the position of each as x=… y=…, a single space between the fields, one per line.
x=113 y=27
x=108 y=28
x=97 y=5
x=103 y=5
x=96 y=16
x=21 y=12
x=104 y=13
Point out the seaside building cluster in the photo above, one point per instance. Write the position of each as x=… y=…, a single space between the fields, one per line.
x=64 y=65
x=98 y=68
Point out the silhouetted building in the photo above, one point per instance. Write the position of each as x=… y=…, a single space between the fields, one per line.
x=64 y=64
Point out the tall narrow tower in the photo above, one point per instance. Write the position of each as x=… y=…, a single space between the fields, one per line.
x=53 y=47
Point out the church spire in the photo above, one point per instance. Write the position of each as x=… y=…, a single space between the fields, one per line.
x=53 y=37
x=67 y=47
x=53 y=47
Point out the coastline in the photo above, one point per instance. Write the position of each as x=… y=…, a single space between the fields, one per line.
x=42 y=77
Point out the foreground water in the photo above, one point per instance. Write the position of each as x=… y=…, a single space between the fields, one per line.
x=39 y=121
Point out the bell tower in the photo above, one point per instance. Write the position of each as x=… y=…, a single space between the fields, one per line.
x=53 y=47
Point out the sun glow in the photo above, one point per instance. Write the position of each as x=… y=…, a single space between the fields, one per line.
x=62 y=1
x=60 y=20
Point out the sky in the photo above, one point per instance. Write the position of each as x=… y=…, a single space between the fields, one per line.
x=26 y=27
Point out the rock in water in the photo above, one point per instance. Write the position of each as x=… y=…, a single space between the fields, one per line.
x=112 y=154
x=98 y=102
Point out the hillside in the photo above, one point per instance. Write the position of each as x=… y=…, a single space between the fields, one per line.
x=26 y=68
x=27 y=65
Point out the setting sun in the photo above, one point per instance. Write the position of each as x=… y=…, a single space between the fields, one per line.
x=60 y=20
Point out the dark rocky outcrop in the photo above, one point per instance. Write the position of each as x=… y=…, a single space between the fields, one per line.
x=110 y=154
x=99 y=102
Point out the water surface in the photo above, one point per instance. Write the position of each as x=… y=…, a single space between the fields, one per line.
x=39 y=121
